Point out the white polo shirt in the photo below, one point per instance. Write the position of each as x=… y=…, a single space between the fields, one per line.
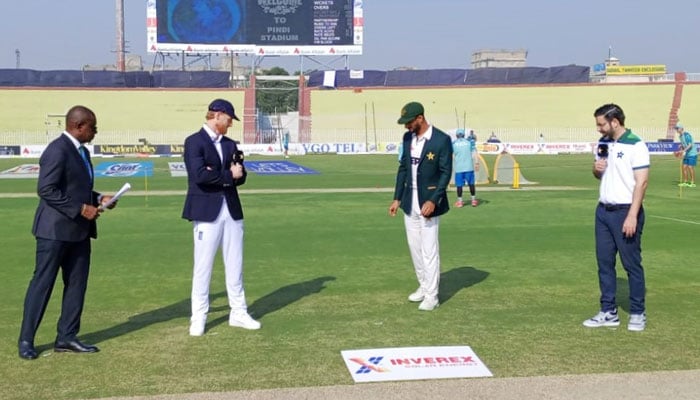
x=625 y=155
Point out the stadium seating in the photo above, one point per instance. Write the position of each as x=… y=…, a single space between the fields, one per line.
x=561 y=113
x=514 y=113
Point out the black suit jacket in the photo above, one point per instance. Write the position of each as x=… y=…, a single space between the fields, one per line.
x=433 y=176
x=209 y=180
x=64 y=185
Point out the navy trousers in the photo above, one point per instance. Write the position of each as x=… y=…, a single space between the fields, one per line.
x=610 y=241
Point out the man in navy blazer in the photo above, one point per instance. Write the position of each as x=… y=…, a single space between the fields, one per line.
x=214 y=171
x=64 y=223
x=425 y=169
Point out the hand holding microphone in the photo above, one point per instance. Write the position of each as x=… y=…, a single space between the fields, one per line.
x=602 y=152
x=237 y=165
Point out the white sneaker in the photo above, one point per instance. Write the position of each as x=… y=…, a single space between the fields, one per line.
x=637 y=322
x=243 y=320
x=416 y=296
x=429 y=304
x=197 y=327
x=603 y=318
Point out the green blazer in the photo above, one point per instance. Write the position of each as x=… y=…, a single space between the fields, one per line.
x=434 y=173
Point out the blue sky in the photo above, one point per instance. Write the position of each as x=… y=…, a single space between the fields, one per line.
x=67 y=34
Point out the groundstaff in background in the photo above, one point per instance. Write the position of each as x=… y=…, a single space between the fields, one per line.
x=622 y=165
x=424 y=172
x=466 y=161
x=64 y=223
x=690 y=156
x=214 y=170
x=285 y=144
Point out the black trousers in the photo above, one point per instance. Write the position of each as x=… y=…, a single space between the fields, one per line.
x=73 y=259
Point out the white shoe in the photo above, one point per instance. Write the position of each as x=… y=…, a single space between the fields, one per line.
x=637 y=322
x=243 y=320
x=429 y=304
x=416 y=296
x=603 y=318
x=197 y=327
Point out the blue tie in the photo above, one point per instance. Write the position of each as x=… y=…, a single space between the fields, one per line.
x=83 y=153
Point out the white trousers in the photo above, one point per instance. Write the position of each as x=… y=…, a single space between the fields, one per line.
x=422 y=235
x=226 y=233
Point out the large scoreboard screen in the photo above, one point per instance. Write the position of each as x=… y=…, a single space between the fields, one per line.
x=263 y=27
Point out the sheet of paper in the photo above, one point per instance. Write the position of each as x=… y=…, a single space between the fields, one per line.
x=116 y=196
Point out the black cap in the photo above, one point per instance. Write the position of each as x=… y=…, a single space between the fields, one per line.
x=223 y=106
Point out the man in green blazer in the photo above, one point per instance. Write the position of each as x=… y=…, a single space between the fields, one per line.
x=424 y=172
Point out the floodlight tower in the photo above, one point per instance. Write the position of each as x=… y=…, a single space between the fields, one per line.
x=121 y=64
x=17 y=53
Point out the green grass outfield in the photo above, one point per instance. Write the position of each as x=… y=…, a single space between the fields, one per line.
x=326 y=272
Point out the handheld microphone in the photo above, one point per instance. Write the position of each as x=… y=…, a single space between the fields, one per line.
x=238 y=157
x=602 y=150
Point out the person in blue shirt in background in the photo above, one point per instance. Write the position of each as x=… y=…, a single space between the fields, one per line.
x=285 y=144
x=690 y=156
x=466 y=161
x=472 y=136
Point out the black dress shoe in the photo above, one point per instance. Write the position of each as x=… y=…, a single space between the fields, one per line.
x=27 y=350
x=74 y=346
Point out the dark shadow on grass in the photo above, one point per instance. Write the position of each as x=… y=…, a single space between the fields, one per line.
x=287 y=295
x=280 y=298
x=623 y=294
x=271 y=302
x=457 y=279
x=139 y=321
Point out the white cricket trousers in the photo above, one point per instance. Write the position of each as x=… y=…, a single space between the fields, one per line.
x=422 y=235
x=226 y=233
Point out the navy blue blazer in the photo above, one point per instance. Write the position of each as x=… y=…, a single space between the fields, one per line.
x=434 y=173
x=209 y=181
x=64 y=185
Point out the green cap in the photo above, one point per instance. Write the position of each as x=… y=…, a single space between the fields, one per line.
x=410 y=111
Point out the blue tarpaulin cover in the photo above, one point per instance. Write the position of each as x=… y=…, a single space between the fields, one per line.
x=343 y=78
x=113 y=79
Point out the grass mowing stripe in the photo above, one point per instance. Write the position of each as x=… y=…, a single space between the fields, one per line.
x=676 y=220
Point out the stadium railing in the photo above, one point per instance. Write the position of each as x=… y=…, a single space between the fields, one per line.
x=342 y=135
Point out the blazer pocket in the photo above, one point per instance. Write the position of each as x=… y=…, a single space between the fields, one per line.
x=431 y=187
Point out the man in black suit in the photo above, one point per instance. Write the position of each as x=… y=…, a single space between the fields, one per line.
x=63 y=225
x=424 y=172
x=214 y=170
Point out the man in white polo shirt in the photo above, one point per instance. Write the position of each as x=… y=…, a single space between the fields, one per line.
x=622 y=165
